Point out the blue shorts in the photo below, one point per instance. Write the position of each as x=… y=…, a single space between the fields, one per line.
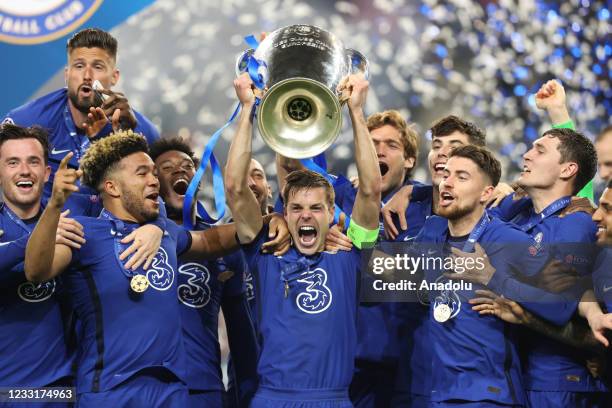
x=562 y=399
x=273 y=398
x=141 y=390
x=372 y=385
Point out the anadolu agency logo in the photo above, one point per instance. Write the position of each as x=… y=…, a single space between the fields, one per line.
x=39 y=21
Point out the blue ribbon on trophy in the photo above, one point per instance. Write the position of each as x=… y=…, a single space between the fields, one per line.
x=254 y=68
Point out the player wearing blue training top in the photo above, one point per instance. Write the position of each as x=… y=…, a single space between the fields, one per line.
x=307 y=299
x=69 y=113
x=559 y=164
x=204 y=287
x=131 y=350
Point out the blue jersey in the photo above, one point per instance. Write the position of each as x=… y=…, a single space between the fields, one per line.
x=378 y=326
x=201 y=287
x=602 y=277
x=307 y=317
x=474 y=358
x=33 y=347
x=414 y=371
x=550 y=365
x=123 y=332
x=52 y=113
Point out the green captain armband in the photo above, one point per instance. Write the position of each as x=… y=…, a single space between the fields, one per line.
x=565 y=125
x=361 y=237
x=587 y=191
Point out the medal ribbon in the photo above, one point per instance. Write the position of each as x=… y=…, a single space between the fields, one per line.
x=293 y=265
x=476 y=233
x=548 y=211
x=218 y=188
x=253 y=66
x=15 y=218
x=120 y=229
x=80 y=146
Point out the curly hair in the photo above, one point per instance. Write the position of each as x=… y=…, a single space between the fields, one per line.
x=104 y=154
x=177 y=143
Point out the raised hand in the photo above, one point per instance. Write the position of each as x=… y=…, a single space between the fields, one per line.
x=551 y=94
x=117 y=100
x=96 y=120
x=551 y=98
x=354 y=89
x=65 y=182
x=243 y=85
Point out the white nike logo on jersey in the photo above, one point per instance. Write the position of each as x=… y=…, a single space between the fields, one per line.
x=605 y=289
x=53 y=151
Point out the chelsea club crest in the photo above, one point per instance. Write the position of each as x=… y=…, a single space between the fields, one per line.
x=39 y=21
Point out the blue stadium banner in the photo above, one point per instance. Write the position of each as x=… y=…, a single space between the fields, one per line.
x=33 y=35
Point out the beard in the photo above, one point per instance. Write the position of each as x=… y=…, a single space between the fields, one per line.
x=82 y=105
x=136 y=207
x=454 y=212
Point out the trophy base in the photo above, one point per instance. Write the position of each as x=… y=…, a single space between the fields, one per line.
x=299 y=118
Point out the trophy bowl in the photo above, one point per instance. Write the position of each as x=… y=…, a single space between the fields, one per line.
x=299 y=115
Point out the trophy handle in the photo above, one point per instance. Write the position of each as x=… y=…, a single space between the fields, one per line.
x=358 y=63
x=242 y=61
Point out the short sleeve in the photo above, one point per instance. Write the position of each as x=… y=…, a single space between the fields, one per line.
x=182 y=236
x=252 y=250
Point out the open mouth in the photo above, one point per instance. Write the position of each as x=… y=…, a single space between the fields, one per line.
x=438 y=167
x=152 y=196
x=86 y=90
x=180 y=186
x=307 y=235
x=384 y=168
x=25 y=185
x=446 y=198
x=601 y=231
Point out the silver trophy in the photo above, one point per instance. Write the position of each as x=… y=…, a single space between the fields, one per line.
x=301 y=66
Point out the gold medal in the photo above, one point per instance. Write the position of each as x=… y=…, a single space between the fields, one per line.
x=139 y=283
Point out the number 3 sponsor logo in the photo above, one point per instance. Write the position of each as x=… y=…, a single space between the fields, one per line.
x=317 y=297
x=194 y=289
